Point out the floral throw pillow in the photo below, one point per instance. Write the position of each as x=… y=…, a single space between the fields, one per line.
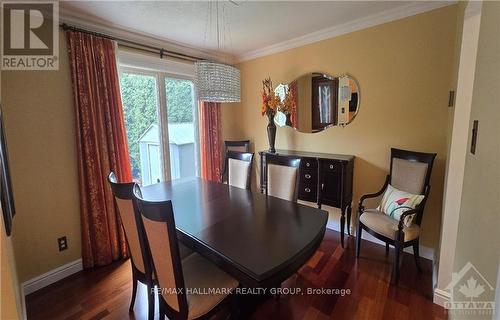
x=395 y=202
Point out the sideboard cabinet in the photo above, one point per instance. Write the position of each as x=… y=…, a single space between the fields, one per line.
x=323 y=178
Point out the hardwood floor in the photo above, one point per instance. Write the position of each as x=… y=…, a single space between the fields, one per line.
x=104 y=293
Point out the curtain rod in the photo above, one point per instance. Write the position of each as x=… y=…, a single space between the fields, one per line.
x=135 y=45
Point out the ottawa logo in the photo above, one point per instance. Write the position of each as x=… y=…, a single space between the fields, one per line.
x=471 y=292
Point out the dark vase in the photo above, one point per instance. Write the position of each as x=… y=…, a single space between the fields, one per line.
x=271 y=132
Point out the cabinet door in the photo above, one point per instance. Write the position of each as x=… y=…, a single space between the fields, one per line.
x=331 y=172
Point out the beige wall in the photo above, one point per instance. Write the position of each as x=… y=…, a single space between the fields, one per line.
x=404 y=69
x=479 y=217
x=40 y=129
x=10 y=305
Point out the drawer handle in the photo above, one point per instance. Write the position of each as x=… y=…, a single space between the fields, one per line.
x=307 y=175
x=331 y=166
x=308 y=164
x=307 y=190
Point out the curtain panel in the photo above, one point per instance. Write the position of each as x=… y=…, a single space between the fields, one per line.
x=101 y=143
x=210 y=140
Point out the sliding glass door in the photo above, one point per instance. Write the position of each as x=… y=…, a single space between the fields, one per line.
x=182 y=128
x=161 y=125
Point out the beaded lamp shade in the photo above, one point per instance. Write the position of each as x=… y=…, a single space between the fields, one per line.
x=217 y=82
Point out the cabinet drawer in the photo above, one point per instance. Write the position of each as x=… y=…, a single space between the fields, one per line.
x=308 y=176
x=308 y=163
x=308 y=192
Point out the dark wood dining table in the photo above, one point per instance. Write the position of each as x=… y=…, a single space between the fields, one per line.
x=260 y=240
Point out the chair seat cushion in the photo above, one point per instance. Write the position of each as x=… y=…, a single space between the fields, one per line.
x=201 y=276
x=387 y=226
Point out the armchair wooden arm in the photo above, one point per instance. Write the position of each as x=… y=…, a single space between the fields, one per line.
x=361 y=207
x=417 y=211
x=401 y=223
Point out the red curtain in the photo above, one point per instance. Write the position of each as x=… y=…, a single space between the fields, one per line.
x=102 y=145
x=210 y=127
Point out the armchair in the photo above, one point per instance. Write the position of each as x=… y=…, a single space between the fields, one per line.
x=410 y=171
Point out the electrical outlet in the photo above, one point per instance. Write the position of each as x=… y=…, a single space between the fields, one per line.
x=63 y=243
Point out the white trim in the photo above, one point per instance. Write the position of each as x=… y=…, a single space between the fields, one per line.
x=51 y=277
x=441 y=297
x=172 y=67
x=408 y=10
x=47 y=279
x=457 y=152
x=100 y=26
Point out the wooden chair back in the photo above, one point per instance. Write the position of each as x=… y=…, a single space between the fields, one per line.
x=233 y=145
x=237 y=145
x=132 y=225
x=159 y=226
x=238 y=175
x=282 y=176
x=411 y=172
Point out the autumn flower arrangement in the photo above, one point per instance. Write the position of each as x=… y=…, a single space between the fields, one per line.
x=270 y=100
x=271 y=104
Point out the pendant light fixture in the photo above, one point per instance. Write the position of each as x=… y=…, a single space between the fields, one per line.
x=217 y=82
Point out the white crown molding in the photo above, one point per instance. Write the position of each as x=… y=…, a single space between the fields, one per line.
x=408 y=10
x=100 y=26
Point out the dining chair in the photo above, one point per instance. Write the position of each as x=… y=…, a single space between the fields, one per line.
x=142 y=270
x=239 y=168
x=410 y=172
x=282 y=177
x=237 y=145
x=175 y=275
x=233 y=145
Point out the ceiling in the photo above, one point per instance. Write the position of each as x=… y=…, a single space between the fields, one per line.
x=253 y=25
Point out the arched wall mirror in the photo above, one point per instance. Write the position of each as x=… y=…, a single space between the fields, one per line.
x=319 y=101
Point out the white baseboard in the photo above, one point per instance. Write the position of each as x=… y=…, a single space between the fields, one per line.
x=47 y=279
x=51 y=277
x=441 y=297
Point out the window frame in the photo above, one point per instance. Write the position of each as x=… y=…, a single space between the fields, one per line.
x=162 y=108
